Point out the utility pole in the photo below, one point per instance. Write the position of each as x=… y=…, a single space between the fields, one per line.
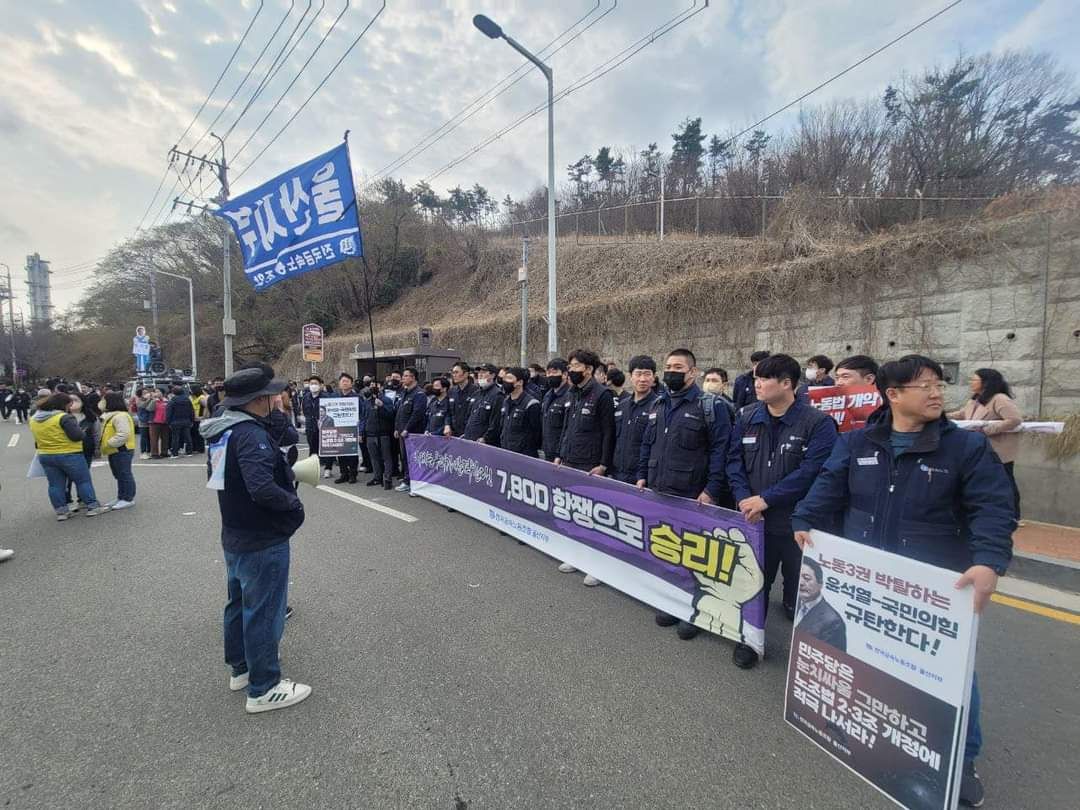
x=153 y=304
x=523 y=282
x=11 y=318
x=228 y=325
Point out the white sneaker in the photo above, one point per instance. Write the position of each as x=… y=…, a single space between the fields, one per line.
x=567 y=568
x=402 y=488
x=76 y=507
x=238 y=682
x=590 y=581
x=285 y=693
x=145 y=456
x=63 y=515
x=97 y=510
x=122 y=505
x=6 y=554
x=326 y=473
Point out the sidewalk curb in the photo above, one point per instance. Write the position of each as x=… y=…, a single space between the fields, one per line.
x=1055 y=573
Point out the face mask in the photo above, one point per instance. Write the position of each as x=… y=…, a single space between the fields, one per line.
x=315 y=388
x=395 y=384
x=484 y=383
x=675 y=380
x=554 y=381
x=715 y=388
x=811 y=373
x=508 y=388
x=577 y=377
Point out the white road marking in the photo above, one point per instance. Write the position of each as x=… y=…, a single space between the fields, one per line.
x=378 y=507
x=1039 y=593
x=14 y=440
x=166 y=466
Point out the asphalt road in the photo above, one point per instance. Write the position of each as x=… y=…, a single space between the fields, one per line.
x=452 y=668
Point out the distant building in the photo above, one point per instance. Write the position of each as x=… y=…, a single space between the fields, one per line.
x=40 y=295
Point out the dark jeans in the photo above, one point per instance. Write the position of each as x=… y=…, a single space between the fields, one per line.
x=973 y=744
x=1016 y=490
x=62 y=468
x=782 y=553
x=180 y=437
x=198 y=445
x=381 y=450
x=404 y=461
x=144 y=439
x=258 y=585
x=120 y=464
x=23 y=415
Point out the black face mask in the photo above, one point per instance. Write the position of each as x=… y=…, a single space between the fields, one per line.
x=576 y=377
x=675 y=380
x=554 y=381
x=395 y=384
x=507 y=388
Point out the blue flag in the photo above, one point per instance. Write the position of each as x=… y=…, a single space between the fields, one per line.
x=302 y=220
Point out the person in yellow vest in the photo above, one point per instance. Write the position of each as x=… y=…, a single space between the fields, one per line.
x=118 y=447
x=59 y=441
x=198 y=404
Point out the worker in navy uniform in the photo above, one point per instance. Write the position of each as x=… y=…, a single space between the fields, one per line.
x=632 y=417
x=483 y=424
x=912 y=483
x=742 y=391
x=459 y=399
x=521 y=427
x=437 y=406
x=553 y=405
x=411 y=417
x=379 y=433
x=777 y=449
x=684 y=449
x=587 y=441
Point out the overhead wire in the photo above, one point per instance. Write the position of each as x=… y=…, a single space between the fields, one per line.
x=601 y=70
x=279 y=61
x=299 y=73
x=485 y=98
x=202 y=107
x=314 y=92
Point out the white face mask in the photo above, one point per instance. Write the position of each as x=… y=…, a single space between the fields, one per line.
x=811 y=373
x=315 y=388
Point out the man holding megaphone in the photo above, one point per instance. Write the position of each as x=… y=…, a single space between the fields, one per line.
x=260 y=511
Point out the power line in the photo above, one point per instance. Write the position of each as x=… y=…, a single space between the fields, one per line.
x=843 y=72
x=601 y=70
x=315 y=91
x=279 y=61
x=247 y=75
x=202 y=107
x=285 y=92
x=486 y=97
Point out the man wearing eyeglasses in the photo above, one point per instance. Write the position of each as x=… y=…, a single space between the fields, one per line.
x=911 y=482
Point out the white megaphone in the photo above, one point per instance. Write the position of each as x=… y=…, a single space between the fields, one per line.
x=307 y=471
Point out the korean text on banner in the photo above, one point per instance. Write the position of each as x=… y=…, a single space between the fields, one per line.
x=882 y=656
x=339 y=427
x=849 y=405
x=311 y=340
x=701 y=564
x=302 y=220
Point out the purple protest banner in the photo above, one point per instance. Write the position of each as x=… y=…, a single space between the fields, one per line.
x=701 y=564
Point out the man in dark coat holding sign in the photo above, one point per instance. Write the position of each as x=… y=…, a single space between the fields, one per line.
x=914 y=484
x=260 y=512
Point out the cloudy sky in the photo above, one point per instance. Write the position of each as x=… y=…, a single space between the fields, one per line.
x=95 y=92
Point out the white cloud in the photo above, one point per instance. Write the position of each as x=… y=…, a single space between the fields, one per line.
x=109 y=53
x=165 y=53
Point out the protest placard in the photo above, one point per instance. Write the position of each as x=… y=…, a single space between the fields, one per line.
x=701 y=564
x=849 y=405
x=882 y=656
x=339 y=427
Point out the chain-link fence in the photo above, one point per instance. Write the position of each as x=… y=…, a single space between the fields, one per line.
x=740 y=216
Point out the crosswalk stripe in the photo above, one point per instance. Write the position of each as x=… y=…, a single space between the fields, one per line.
x=14 y=440
x=378 y=507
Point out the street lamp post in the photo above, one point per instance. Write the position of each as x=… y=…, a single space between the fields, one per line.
x=492 y=29
x=191 y=305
